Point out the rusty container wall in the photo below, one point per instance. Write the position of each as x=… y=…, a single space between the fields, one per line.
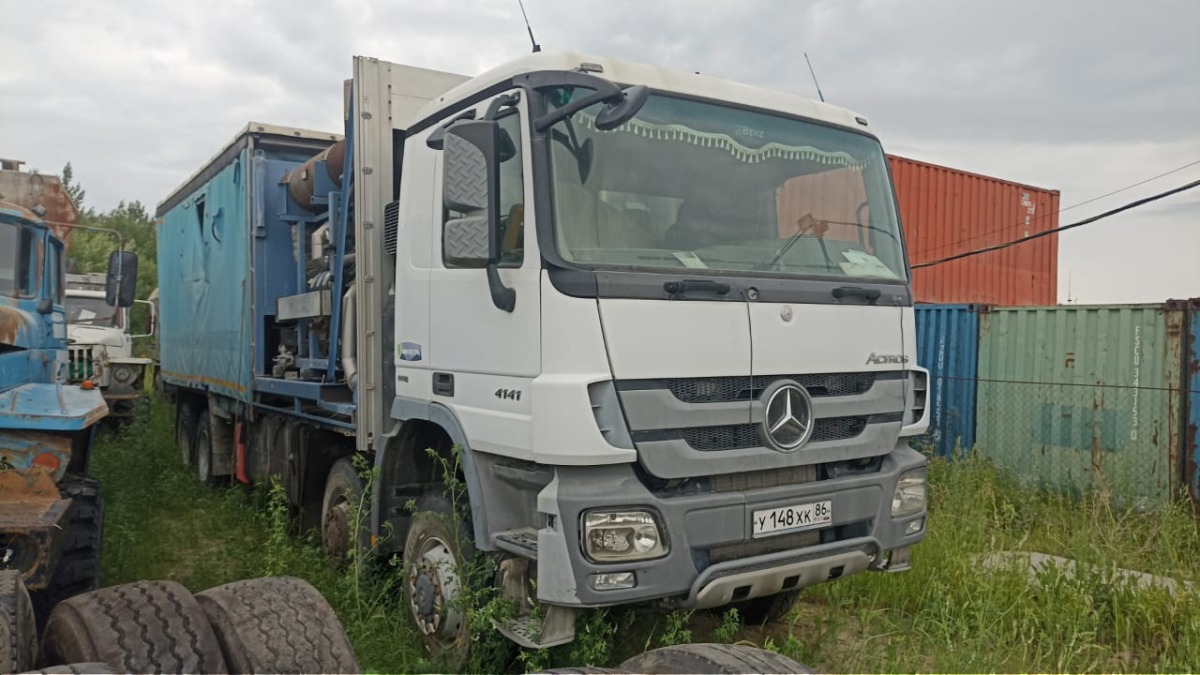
x=32 y=190
x=946 y=211
x=1085 y=397
x=1191 y=431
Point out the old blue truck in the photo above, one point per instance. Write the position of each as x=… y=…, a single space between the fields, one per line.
x=51 y=512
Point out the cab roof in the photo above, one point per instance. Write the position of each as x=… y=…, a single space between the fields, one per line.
x=656 y=78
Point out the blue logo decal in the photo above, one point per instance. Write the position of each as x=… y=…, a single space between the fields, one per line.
x=409 y=351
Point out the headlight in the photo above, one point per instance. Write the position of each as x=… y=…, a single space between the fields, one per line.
x=123 y=373
x=622 y=535
x=909 y=497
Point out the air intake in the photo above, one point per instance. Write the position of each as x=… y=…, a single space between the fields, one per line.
x=391 y=223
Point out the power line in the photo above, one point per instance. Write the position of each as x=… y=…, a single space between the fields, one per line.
x=1085 y=202
x=1081 y=223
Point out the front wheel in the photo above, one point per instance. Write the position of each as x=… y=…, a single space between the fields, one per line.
x=437 y=546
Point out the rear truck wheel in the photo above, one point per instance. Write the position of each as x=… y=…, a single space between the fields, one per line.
x=95 y=668
x=185 y=431
x=202 y=449
x=18 y=631
x=343 y=496
x=719 y=659
x=767 y=609
x=78 y=568
x=277 y=625
x=434 y=585
x=141 y=627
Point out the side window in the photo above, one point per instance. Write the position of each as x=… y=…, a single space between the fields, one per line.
x=58 y=273
x=27 y=266
x=512 y=195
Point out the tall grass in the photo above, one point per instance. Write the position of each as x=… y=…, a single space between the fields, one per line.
x=949 y=613
x=161 y=523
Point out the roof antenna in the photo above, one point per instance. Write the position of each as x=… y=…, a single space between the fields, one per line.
x=810 y=72
x=536 y=47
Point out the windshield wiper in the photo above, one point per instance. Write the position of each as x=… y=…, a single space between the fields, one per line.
x=868 y=294
x=787 y=245
x=675 y=288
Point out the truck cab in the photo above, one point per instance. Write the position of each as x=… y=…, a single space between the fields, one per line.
x=100 y=343
x=658 y=325
x=49 y=508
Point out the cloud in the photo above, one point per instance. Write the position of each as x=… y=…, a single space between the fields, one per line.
x=1081 y=97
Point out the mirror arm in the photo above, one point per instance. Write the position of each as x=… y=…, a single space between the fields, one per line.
x=557 y=115
x=499 y=103
x=503 y=297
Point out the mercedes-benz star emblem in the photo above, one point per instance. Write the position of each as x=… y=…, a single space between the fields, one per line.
x=787 y=416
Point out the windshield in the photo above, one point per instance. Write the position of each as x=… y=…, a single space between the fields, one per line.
x=92 y=312
x=16 y=247
x=686 y=184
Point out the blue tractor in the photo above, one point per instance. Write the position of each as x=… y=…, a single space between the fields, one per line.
x=51 y=512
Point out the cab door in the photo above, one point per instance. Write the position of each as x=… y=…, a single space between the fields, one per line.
x=484 y=358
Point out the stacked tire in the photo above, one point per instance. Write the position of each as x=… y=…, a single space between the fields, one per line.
x=267 y=625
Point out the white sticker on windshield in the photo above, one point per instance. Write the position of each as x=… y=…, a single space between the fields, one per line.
x=861 y=264
x=690 y=259
x=85 y=314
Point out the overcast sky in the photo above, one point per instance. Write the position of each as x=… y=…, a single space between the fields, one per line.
x=1084 y=97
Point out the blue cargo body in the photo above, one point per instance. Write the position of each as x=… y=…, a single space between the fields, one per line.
x=948 y=345
x=231 y=259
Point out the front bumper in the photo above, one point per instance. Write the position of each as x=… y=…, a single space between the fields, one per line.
x=713 y=559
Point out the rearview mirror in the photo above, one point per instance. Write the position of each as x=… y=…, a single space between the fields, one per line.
x=470 y=187
x=121 y=283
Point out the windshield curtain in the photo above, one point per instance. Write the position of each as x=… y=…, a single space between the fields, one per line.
x=688 y=184
x=92 y=312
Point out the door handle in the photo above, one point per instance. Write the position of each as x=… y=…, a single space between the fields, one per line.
x=443 y=384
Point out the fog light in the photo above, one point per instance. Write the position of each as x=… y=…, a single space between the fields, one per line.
x=914 y=527
x=612 y=582
x=622 y=535
x=909 y=497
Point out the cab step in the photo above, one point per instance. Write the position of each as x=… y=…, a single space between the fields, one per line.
x=522 y=543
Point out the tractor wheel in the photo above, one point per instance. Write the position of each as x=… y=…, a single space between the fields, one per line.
x=277 y=625
x=141 y=627
x=18 y=631
x=78 y=569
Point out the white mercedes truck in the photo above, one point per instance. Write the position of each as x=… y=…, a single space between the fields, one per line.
x=661 y=322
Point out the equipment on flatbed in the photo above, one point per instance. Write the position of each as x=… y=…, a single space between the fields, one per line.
x=564 y=309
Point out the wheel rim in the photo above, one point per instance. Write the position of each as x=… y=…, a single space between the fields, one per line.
x=433 y=592
x=337 y=529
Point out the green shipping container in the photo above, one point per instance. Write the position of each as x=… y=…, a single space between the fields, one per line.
x=1085 y=397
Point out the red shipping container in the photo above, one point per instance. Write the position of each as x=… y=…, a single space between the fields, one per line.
x=944 y=212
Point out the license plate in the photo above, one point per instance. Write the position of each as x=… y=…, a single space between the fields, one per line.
x=791 y=518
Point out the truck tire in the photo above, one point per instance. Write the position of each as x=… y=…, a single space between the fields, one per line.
x=434 y=552
x=277 y=625
x=767 y=609
x=185 y=431
x=576 y=670
x=719 y=659
x=78 y=569
x=95 y=668
x=202 y=449
x=18 y=631
x=141 y=627
x=343 y=494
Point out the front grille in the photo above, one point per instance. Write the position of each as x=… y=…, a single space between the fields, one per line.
x=80 y=364
x=749 y=549
x=725 y=389
x=762 y=480
x=738 y=436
